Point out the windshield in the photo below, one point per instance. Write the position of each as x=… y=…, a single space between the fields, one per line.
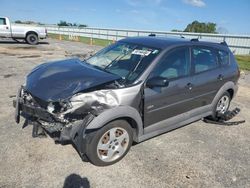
x=124 y=59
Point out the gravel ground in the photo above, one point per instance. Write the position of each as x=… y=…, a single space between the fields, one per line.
x=197 y=155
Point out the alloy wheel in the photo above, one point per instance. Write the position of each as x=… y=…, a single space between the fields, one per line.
x=223 y=104
x=113 y=144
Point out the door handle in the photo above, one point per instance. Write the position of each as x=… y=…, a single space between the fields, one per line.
x=7 y=27
x=189 y=86
x=220 y=77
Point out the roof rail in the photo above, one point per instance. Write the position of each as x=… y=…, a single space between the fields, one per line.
x=194 y=40
x=224 y=43
x=152 y=35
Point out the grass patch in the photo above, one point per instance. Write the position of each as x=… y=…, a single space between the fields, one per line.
x=243 y=61
x=86 y=40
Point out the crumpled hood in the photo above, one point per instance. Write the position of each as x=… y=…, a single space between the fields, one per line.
x=60 y=80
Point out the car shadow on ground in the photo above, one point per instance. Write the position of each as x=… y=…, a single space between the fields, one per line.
x=19 y=42
x=76 y=181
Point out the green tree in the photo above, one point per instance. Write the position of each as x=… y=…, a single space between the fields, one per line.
x=63 y=23
x=18 y=21
x=176 y=30
x=82 y=25
x=201 y=27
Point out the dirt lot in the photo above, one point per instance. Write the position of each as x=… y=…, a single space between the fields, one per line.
x=197 y=155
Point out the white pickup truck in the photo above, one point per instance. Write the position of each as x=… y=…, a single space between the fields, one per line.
x=31 y=34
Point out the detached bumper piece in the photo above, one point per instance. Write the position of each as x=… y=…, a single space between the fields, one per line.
x=16 y=105
x=223 y=119
x=38 y=131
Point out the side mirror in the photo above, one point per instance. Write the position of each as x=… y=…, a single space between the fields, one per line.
x=157 y=82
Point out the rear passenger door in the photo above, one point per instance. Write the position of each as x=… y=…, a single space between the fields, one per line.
x=207 y=77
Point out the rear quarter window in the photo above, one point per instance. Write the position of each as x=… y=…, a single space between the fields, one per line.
x=223 y=57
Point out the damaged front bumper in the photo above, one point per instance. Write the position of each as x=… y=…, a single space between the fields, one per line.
x=45 y=122
x=29 y=111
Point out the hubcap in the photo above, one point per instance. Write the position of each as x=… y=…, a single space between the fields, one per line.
x=113 y=144
x=32 y=38
x=223 y=104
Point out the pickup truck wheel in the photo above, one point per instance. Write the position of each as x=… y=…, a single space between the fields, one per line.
x=109 y=144
x=32 y=39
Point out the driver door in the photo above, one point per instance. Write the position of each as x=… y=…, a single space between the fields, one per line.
x=161 y=103
x=4 y=28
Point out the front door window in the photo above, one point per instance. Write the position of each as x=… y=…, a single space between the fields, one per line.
x=174 y=65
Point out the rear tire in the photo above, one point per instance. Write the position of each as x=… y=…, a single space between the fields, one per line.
x=32 y=39
x=222 y=106
x=110 y=143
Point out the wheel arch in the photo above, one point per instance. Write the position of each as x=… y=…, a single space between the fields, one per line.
x=31 y=32
x=127 y=113
x=231 y=92
x=229 y=87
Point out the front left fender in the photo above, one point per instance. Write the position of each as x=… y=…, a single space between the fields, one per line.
x=117 y=113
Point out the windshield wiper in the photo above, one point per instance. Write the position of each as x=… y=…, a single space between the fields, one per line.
x=118 y=58
x=102 y=69
x=95 y=66
x=135 y=67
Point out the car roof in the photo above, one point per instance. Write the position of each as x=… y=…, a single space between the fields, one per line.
x=165 y=42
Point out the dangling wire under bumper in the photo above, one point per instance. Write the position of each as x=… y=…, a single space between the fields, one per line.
x=223 y=119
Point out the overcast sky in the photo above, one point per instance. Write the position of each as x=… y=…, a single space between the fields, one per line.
x=232 y=16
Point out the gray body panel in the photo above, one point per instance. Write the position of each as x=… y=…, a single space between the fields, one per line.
x=166 y=102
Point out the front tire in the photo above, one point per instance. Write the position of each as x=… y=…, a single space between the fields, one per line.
x=110 y=143
x=32 y=39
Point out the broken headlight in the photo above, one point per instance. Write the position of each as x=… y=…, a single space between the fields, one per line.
x=58 y=107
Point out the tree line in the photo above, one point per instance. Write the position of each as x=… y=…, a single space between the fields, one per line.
x=195 y=26
x=64 y=23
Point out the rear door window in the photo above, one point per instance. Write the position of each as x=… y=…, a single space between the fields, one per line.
x=204 y=59
x=2 y=21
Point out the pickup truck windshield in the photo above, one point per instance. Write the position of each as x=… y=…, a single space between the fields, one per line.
x=124 y=59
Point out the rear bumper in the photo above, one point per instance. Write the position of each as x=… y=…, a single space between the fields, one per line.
x=43 y=36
